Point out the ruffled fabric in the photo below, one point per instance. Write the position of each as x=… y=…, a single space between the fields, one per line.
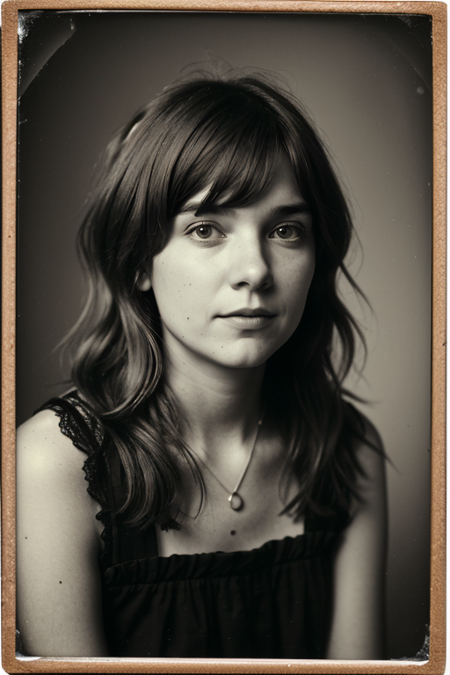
x=220 y=564
x=271 y=602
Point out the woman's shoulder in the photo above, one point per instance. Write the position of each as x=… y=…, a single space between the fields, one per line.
x=371 y=458
x=58 y=539
x=370 y=446
x=366 y=436
x=360 y=557
x=41 y=432
x=70 y=416
x=53 y=445
x=43 y=451
x=50 y=476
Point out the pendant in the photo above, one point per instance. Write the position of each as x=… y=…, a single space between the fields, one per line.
x=236 y=501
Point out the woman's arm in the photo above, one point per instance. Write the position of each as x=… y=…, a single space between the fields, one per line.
x=358 y=623
x=58 y=584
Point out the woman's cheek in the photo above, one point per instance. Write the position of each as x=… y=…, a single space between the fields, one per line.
x=298 y=290
x=179 y=295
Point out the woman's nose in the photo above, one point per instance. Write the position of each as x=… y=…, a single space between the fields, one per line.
x=250 y=267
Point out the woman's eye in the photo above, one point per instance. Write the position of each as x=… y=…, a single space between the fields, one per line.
x=205 y=231
x=287 y=232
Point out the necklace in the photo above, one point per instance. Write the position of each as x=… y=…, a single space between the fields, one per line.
x=235 y=499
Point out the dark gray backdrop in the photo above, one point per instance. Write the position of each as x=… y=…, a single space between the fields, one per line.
x=366 y=80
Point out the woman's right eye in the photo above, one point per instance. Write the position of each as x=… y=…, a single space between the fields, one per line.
x=205 y=231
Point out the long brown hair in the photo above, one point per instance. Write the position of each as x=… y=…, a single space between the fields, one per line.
x=227 y=133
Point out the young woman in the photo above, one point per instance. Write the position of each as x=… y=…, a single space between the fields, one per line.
x=235 y=500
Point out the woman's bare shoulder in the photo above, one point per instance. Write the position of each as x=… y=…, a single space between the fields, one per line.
x=371 y=457
x=50 y=461
x=41 y=440
x=369 y=448
x=359 y=570
x=40 y=427
x=58 y=544
x=372 y=436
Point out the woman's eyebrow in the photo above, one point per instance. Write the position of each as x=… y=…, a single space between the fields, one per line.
x=289 y=209
x=200 y=209
x=276 y=212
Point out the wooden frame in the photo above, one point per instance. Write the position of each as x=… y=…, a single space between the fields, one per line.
x=436 y=661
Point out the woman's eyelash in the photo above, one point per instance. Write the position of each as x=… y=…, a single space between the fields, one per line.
x=205 y=232
x=288 y=231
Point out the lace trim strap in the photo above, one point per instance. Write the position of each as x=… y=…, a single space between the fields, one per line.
x=78 y=423
x=103 y=475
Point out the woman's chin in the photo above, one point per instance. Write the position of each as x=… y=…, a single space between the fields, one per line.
x=240 y=354
x=250 y=358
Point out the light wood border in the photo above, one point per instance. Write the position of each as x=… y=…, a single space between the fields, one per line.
x=436 y=663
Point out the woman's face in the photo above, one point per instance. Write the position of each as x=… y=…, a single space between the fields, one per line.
x=231 y=284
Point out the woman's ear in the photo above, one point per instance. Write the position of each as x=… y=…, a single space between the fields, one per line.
x=143 y=282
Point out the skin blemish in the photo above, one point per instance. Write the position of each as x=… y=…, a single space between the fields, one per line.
x=233 y=532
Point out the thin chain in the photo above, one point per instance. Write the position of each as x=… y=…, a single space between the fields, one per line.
x=238 y=484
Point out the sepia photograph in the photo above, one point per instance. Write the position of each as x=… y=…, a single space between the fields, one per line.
x=224 y=339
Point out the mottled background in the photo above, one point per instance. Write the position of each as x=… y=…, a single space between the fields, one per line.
x=366 y=81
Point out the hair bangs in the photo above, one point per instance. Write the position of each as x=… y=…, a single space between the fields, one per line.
x=233 y=155
x=245 y=172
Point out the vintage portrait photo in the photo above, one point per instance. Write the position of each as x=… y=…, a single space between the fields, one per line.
x=224 y=335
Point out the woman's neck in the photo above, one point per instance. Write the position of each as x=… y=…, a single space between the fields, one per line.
x=217 y=403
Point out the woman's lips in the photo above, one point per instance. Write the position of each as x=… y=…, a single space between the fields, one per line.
x=249 y=319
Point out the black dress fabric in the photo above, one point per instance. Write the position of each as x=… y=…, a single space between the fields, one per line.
x=271 y=602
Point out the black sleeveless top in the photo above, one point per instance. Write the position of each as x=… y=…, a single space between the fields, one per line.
x=271 y=602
